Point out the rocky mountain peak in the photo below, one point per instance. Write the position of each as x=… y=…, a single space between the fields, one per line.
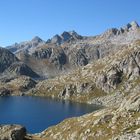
x=64 y=37
x=131 y=26
x=37 y=39
x=26 y=45
x=74 y=33
x=134 y=24
x=56 y=39
x=110 y=33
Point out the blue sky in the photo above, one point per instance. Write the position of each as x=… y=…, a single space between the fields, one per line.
x=23 y=19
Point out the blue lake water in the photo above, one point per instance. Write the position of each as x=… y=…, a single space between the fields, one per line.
x=36 y=114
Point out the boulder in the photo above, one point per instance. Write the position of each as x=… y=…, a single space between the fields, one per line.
x=12 y=132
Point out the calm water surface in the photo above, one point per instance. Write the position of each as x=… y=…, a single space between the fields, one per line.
x=36 y=114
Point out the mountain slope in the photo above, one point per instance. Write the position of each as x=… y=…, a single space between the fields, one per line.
x=6 y=59
x=102 y=70
x=114 y=82
x=11 y=66
x=18 y=69
x=101 y=82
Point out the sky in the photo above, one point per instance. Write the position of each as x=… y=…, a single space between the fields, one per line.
x=21 y=20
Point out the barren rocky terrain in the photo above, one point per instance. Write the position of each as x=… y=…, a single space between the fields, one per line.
x=103 y=70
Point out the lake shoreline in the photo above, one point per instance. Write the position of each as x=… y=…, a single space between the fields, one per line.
x=64 y=104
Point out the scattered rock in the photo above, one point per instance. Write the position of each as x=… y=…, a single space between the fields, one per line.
x=132 y=104
x=4 y=92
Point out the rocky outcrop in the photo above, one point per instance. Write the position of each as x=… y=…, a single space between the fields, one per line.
x=68 y=91
x=109 y=81
x=16 y=85
x=78 y=58
x=58 y=58
x=20 y=68
x=6 y=59
x=43 y=53
x=76 y=89
x=12 y=132
x=131 y=66
x=21 y=84
x=4 y=92
x=128 y=68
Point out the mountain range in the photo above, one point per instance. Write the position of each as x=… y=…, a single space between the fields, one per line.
x=102 y=70
x=65 y=52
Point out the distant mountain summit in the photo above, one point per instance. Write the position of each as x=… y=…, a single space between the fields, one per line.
x=130 y=27
x=29 y=46
x=37 y=39
x=26 y=45
x=65 y=37
x=69 y=50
